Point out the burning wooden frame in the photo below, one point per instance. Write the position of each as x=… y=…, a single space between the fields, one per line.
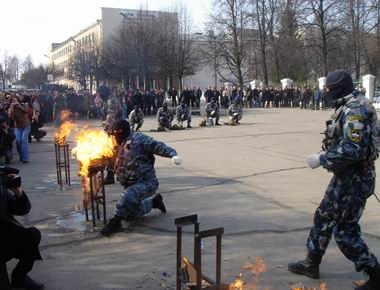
x=94 y=191
x=190 y=275
x=62 y=161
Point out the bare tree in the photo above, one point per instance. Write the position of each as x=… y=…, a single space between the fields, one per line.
x=4 y=69
x=322 y=19
x=265 y=16
x=229 y=39
x=183 y=51
x=27 y=64
x=35 y=77
x=291 y=64
x=85 y=65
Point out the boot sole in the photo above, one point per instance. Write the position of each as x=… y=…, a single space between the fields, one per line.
x=303 y=272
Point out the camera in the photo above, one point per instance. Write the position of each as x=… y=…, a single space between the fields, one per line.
x=9 y=181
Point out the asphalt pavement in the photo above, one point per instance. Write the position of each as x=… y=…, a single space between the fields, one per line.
x=250 y=179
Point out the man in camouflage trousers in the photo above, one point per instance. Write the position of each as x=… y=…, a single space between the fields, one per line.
x=113 y=111
x=235 y=111
x=183 y=114
x=136 y=118
x=351 y=146
x=134 y=168
x=164 y=118
x=212 y=111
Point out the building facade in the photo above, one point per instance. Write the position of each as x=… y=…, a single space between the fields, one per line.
x=96 y=36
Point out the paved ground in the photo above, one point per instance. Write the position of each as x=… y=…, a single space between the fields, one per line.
x=249 y=179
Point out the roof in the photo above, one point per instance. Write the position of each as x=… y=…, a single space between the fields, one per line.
x=71 y=38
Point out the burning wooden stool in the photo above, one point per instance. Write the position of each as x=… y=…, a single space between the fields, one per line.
x=62 y=162
x=94 y=191
x=189 y=275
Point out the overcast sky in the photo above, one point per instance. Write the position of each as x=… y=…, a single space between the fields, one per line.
x=29 y=26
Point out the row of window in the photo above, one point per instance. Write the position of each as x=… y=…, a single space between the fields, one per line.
x=89 y=39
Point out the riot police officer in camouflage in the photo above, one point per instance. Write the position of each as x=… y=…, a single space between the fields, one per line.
x=183 y=114
x=212 y=112
x=113 y=112
x=235 y=111
x=350 y=148
x=134 y=168
x=164 y=118
x=136 y=118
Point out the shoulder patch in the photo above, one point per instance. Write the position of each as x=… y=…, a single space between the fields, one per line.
x=355 y=135
x=356 y=118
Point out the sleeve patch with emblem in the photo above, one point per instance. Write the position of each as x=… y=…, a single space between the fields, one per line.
x=356 y=118
x=355 y=135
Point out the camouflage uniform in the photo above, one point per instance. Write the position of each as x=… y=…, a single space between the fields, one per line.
x=235 y=112
x=350 y=156
x=135 y=171
x=165 y=118
x=136 y=118
x=183 y=114
x=212 y=111
x=113 y=112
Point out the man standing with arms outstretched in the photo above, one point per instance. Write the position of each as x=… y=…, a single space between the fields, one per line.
x=350 y=149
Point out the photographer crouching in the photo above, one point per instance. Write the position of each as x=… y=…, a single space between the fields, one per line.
x=16 y=241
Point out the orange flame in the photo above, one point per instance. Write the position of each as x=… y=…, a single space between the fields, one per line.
x=63 y=131
x=92 y=145
x=238 y=284
x=65 y=115
x=322 y=286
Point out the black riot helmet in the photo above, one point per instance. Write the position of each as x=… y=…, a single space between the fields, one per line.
x=339 y=84
x=122 y=131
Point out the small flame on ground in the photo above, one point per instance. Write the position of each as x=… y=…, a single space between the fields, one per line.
x=238 y=284
x=322 y=286
x=256 y=268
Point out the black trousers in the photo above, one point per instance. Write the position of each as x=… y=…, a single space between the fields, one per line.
x=23 y=245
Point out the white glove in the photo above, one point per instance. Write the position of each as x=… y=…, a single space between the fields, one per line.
x=177 y=160
x=313 y=160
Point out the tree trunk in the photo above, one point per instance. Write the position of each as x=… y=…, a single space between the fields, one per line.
x=180 y=78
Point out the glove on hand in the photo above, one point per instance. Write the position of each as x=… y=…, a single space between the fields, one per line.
x=313 y=160
x=177 y=160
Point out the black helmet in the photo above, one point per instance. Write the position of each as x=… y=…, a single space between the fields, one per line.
x=339 y=84
x=122 y=131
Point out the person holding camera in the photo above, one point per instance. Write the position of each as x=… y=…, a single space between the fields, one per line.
x=16 y=241
x=18 y=113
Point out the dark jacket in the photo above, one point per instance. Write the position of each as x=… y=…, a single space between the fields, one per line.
x=10 y=205
x=6 y=140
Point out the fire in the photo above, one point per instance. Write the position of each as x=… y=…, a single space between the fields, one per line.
x=322 y=286
x=238 y=284
x=92 y=145
x=65 y=128
x=63 y=131
x=65 y=115
x=256 y=268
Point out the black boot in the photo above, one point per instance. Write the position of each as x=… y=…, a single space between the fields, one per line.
x=374 y=279
x=158 y=203
x=26 y=283
x=308 y=267
x=114 y=226
x=189 y=126
x=110 y=179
